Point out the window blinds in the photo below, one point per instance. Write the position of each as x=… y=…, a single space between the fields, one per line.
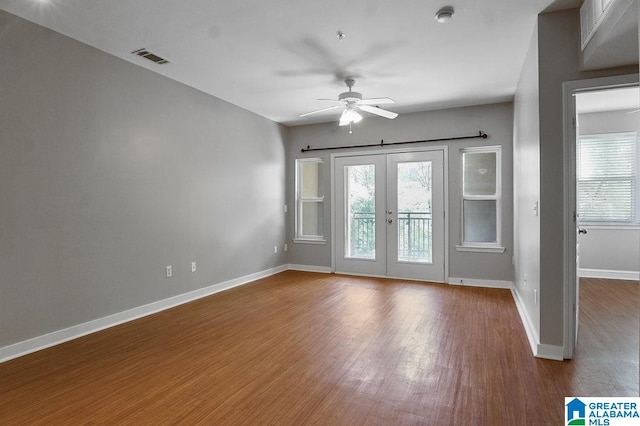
x=607 y=178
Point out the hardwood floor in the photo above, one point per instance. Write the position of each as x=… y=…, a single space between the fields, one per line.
x=302 y=348
x=608 y=337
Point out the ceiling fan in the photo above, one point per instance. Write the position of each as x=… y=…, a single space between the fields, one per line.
x=352 y=102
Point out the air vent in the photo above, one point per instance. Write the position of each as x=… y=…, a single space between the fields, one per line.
x=150 y=56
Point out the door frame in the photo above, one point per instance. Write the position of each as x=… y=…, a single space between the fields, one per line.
x=445 y=189
x=570 y=273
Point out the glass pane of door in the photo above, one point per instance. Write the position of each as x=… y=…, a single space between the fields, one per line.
x=360 y=235
x=415 y=227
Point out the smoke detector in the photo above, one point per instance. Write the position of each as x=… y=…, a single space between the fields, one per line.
x=445 y=14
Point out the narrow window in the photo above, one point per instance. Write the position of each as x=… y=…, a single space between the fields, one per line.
x=309 y=199
x=481 y=199
x=607 y=178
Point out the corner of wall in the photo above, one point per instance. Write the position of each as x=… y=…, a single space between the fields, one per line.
x=526 y=188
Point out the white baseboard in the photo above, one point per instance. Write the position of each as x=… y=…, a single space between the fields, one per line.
x=481 y=283
x=529 y=329
x=57 y=337
x=538 y=349
x=609 y=274
x=553 y=352
x=310 y=268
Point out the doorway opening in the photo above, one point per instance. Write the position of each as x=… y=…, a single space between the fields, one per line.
x=601 y=202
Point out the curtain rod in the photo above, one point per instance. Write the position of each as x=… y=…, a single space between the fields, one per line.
x=480 y=134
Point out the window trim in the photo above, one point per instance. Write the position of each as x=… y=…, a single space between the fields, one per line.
x=299 y=237
x=493 y=247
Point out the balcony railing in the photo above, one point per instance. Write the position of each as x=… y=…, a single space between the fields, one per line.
x=362 y=235
x=414 y=236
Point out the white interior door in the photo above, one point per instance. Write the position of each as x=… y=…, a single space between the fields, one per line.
x=390 y=215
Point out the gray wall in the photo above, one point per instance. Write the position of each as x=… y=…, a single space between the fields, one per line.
x=558 y=60
x=495 y=120
x=109 y=172
x=559 y=53
x=526 y=182
x=609 y=248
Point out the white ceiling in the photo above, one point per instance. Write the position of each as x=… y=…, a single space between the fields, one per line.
x=277 y=57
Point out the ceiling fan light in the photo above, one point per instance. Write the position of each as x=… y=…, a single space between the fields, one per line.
x=348 y=116
x=343 y=119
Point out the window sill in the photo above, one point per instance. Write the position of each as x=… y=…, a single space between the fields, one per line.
x=305 y=241
x=481 y=249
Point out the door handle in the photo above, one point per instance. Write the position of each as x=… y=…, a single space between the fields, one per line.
x=389 y=211
x=389 y=220
x=582 y=231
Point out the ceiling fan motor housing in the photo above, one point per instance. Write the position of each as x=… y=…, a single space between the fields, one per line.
x=350 y=97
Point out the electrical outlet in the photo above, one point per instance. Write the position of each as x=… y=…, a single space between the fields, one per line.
x=275 y=249
x=193 y=267
x=286 y=247
x=169 y=271
x=286 y=209
x=525 y=279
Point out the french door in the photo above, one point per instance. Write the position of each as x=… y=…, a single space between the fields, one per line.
x=390 y=215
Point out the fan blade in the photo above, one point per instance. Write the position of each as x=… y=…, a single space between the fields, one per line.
x=378 y=111
x=633 y=112
x=330 y=100
x=377 y=101
x=321 y=110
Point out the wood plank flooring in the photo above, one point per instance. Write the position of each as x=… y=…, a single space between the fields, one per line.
x=302 y=348
x=608 y=337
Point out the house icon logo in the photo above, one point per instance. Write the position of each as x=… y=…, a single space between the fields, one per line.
x=575 y=410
